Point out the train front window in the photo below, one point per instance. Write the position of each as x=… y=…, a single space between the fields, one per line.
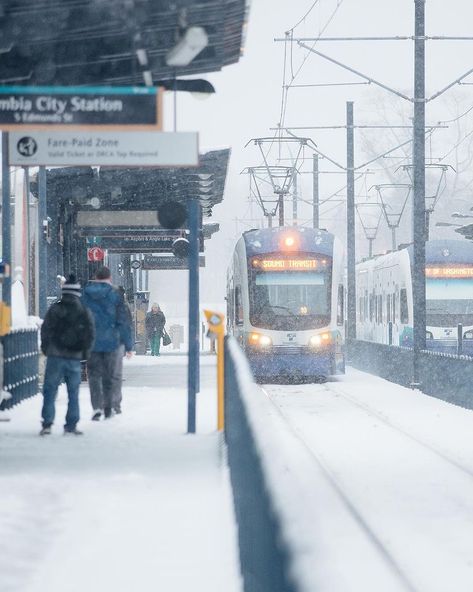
x=290 y=300
x=449 y=301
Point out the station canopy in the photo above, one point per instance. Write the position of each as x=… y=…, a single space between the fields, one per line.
x=102 y=42
x=140 y=189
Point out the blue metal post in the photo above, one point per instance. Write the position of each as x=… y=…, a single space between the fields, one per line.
x=6 y=218
x=193 y=209
x=42 y=244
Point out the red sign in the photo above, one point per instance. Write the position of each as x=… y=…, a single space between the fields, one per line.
x=95 y=254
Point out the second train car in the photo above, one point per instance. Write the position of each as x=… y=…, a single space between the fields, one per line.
x=384 y=297
x=285 y=300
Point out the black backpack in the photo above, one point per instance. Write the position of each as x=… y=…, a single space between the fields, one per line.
x=70 y=326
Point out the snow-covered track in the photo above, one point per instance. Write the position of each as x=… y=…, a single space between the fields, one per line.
x=401 y=463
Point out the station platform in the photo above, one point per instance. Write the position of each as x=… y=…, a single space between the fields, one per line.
x=133 y=504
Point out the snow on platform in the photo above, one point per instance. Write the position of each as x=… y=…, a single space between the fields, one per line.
x=388 y=501
x=134 y=504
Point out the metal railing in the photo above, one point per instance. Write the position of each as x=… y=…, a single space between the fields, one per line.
x=264 y=559
x=445 y=376
x=20 y=366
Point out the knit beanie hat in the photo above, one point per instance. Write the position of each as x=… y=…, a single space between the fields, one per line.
x=71 y=286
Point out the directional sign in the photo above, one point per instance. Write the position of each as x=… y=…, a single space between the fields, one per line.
x=95 y=254
x=167 y=262
x=141 y=243
x=107 y=148
x=40 y=107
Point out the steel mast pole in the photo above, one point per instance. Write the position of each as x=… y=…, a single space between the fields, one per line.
x=419 y=226
x=193 y=209
x=281 y=209
x=315 y=193
x=42 y=244
x=351 y=272
x=6 y=219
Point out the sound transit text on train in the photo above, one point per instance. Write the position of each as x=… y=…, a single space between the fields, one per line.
x=449 y=272
x=287 y=264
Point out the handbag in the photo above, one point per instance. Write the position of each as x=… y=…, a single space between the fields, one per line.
x=166 y=338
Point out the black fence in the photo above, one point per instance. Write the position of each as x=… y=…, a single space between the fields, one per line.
x=444 y=376
x=264 y=559
x=20 y=366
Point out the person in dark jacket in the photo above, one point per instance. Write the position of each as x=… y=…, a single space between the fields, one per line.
x=67 y=335
x=112 y=330
x=154 y=324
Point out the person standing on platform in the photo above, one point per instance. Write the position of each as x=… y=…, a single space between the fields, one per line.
x=67 y=335
x=104 y=366
x=154 y=323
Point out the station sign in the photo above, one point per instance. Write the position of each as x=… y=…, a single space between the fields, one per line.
x=41 y=107
x=103 y=148
x=151 y=262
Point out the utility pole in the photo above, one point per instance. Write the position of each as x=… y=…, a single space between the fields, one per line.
x=294 y=199
x=315 y=194
x=281 y=209
x=351 y=259
x=419 y=227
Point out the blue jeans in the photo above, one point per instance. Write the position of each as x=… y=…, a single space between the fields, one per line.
x=58 y=370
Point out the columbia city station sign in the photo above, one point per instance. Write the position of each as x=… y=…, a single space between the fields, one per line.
x=44 y=107
x=91 y=126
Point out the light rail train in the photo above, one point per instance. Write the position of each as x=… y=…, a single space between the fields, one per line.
x=385 y=302
x=285 y=300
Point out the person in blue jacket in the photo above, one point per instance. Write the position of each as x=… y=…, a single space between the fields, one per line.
x=112 y=330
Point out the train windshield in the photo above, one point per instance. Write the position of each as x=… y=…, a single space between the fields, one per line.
x=449 y=301
x=290 y=299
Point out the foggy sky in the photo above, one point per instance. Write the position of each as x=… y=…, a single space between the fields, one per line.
x=248 y=99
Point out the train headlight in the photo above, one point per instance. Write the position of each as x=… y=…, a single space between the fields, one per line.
x=468 y=334
x=320 y=339
x=429 y=335
x=259 y=340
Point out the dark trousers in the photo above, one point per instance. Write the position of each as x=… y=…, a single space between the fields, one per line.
x=58 y=370
x=105 y=379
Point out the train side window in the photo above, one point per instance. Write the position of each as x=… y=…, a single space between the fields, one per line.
x=340 y=307
x=388 y=308
x=238 y=307
x=404 y=313
x=372 y=302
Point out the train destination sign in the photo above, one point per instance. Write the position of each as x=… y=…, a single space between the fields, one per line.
x=40 y=107
x=103 y=148
x=455 y=272
x=287 y=264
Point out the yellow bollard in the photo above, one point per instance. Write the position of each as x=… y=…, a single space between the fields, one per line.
x=217 y=331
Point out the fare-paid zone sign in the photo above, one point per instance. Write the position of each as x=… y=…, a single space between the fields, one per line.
x=40 y=107
x=104 y=148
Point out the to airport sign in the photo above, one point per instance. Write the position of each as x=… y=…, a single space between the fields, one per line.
x=141 y=243
x=151 y=262
x=103 y=148
x=40 y=107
